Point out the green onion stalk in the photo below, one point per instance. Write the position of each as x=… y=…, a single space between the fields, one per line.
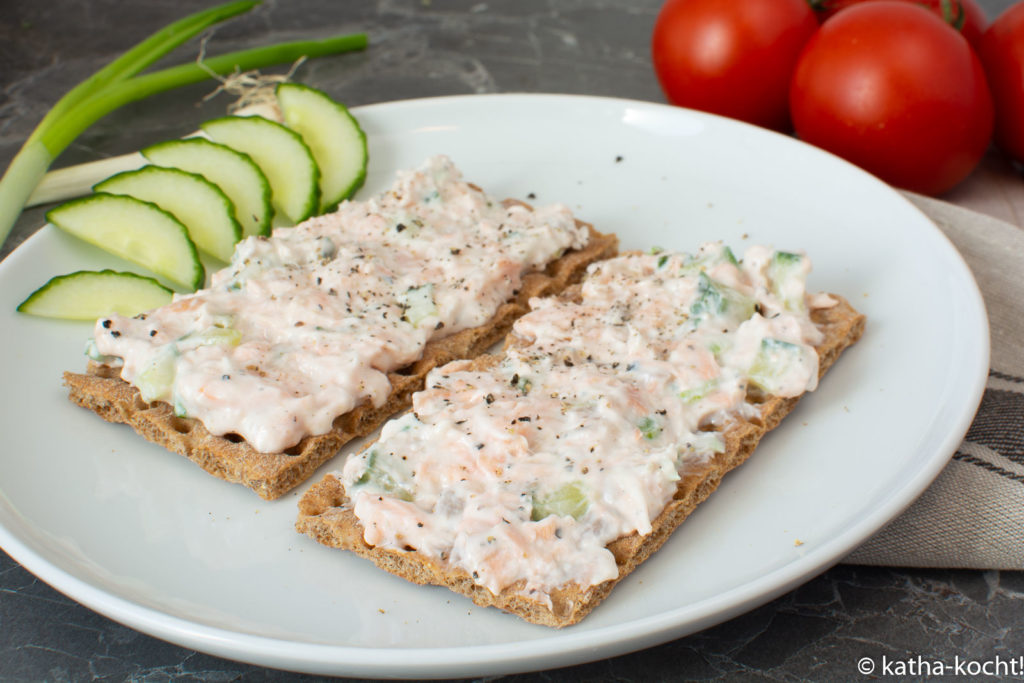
x=117 y=84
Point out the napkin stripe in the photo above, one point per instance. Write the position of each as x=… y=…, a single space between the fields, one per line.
x=997 y=431
x=1005 y=376
x=998 y=424
x=1005 y=383
x=964 y=457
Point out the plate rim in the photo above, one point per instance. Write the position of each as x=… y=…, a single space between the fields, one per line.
x=549 y=650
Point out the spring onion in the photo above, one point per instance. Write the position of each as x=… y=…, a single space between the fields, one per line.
x=117 y=84
x=74 y=181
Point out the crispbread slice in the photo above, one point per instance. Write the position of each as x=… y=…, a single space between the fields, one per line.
x=271 y=475
x=326 y=516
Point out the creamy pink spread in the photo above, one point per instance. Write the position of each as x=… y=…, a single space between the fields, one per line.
x=526 y=471
x=303 y=326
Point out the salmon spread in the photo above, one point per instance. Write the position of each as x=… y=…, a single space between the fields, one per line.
x=304 y=326
x=522 y=472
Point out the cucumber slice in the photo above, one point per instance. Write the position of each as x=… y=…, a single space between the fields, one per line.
x=282 y=156
x=333 y=135
x=232 y=171
x=135 y=230
x=204 y=210
x=91 y=294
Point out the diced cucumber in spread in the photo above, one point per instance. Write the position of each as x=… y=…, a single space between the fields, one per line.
x=211 y=336
x=90 y=294
x=204 y=210
x=235 y=173
x=709 y=255
x=568 y=500
x=179 y=408
x=138 y=231
x=774 y=361
x=783 y=261
x=92 y=352
x=334 y=137
x=154 y=382
x=698 y=392
x=786 y=274
x=419 y=304
x=650 y=428
x=281 y=154
x=706 y=442
x=714 y=299
x=378 y=478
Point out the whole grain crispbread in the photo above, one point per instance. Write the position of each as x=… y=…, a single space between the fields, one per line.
x=271 y=475
x=326 y=515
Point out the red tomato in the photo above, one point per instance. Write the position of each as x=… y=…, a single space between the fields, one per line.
x=731 y=57
x=1002 y=53
x=890 y=87
x=965 y=15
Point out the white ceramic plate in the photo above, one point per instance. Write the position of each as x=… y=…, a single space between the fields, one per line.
x=148 y=539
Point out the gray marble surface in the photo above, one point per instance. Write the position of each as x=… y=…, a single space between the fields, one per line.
x=427 y=48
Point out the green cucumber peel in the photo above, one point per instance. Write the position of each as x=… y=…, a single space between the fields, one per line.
x=90 y=294
x=234 y=172
x=135 y=230
x=202 y=207
x=281 y=154
x=379 y=479
x=334 y=137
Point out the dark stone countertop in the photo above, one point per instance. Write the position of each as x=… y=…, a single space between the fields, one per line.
x=427 y=48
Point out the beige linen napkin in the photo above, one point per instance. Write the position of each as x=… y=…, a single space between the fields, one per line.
x=972 y=516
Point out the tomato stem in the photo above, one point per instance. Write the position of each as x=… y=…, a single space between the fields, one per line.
x=953 y=13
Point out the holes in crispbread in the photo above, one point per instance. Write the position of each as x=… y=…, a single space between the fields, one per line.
x=233 y=438
x=346 y=423
x=755 y=395
x=180 y=425
x=408 y=370
x=707 y=425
